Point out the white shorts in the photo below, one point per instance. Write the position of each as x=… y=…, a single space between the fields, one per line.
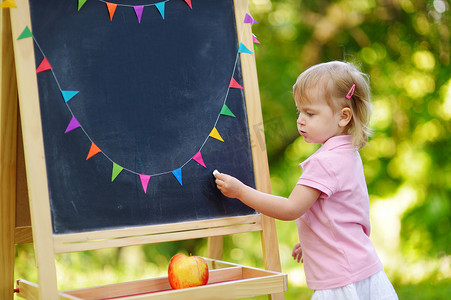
x=376 y=287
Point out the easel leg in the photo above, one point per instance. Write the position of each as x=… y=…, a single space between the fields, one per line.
x=270 y=247
x=8 y=150
x=28 y=95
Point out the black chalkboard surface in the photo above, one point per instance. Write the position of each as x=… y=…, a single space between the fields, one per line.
x=148 y=94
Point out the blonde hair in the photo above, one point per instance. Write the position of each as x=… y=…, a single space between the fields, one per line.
x=335 y=79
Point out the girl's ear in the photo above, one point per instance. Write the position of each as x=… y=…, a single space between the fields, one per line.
x=345 y=117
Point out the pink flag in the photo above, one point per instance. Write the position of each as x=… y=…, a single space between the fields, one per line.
x=254 y=39
x=144 y=181
x=198 y=157
x=234 y=84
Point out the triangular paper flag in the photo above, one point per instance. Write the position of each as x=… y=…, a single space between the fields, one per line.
x=160 y=7
x=67 y=95
x=178 y=174
x=198 y=157
x=72 y=125
x=226 y=111
x=243 y=49
x=249 y=19
x=215 y=134
x=111 y=9
x=44 y=66
x=144 y=181
x=254 y=39
x=189 y=3
x=25 y=33
x=234 y=84
x=93 y=151
x=139 y=11
x=116 y=170
x=81 y=3
x=8 y=3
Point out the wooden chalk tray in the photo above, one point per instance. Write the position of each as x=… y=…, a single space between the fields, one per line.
x=226 y=281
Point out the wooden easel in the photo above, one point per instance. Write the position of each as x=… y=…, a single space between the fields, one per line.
x=230 y=281
x=15 y=220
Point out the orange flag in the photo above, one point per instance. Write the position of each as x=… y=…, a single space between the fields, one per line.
x=111 y=9
x=93 y=151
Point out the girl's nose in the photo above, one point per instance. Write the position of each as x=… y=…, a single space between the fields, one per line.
x=300 y=119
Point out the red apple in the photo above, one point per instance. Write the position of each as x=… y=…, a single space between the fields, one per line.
x=187 y=271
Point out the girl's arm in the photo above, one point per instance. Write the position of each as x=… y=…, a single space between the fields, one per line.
x=291 y=208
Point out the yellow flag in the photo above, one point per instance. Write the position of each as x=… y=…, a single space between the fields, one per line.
x=8 y=3
x=215 y=134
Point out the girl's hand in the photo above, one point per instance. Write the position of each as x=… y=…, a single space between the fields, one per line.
x=228 y=185
x=297 y=252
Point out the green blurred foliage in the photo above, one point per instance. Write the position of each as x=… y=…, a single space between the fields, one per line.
x=404 y=45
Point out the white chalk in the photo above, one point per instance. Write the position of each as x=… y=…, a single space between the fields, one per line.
x=215 y=172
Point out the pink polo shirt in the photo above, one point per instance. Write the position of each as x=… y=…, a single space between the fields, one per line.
x=334 y=232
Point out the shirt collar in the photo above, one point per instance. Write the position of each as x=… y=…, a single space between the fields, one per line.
x=336 y=141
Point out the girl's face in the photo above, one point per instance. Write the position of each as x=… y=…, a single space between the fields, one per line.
x=317 y=122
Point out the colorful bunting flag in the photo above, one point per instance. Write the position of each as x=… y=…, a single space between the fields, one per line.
x=249 y=19
x=25 y=33
x=189 y=3
x=116 y=170
x=144 y=181
x=73 y=124
x=226 y=111
x=8 y=3
x=178 y=174
x=44 y=66
x=234 y=84
x=215 y=134
x=244 y=49
x=111 y=9
x=81 y=3
x=198 y=157
x=160 y=7
x=67 y=95
x=138 y=11
x=254 y=39
x=93 y=151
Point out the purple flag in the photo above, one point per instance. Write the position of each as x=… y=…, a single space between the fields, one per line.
x=139 y=11
x=72 y=125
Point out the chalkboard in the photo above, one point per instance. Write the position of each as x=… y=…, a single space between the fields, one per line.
x=148 y=92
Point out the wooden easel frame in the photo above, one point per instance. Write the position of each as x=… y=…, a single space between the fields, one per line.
x=18 y=58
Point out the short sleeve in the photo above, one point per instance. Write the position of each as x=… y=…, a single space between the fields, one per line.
x=318 y=174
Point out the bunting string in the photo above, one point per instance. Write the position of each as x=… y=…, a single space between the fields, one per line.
x=94 y=149
x=132 y=5
x=138 y=8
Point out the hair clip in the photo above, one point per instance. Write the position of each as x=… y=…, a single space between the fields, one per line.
x=351 y=92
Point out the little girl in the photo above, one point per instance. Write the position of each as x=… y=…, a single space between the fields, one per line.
x=330 y=201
